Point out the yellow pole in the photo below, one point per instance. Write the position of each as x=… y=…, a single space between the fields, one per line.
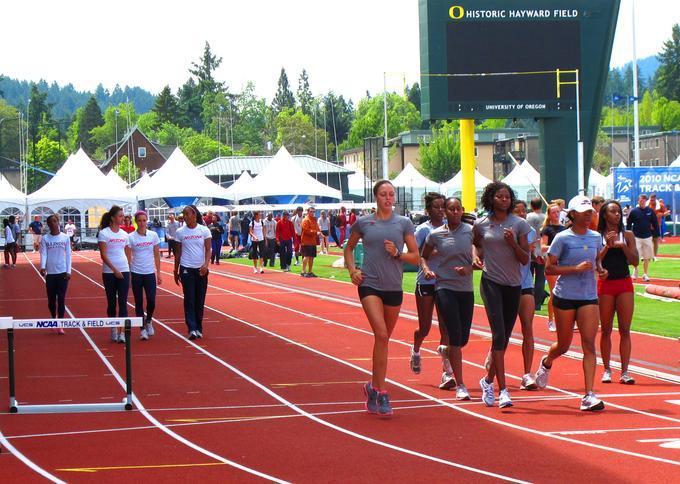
x=467 y=163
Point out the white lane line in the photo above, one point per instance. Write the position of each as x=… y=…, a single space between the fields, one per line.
x=673 y=443
x=516 y=341
x=312 y=417
x=28 y=462
x=608 y=431
x=148 y=416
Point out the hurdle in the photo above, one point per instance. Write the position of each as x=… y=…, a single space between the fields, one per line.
x=11 y=324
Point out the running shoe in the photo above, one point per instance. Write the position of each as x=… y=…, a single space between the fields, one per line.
x=635 y=273
x=645 y=277
x=607 y=376
x=384 y=407
x=528 y=382
x=551 y=326
x=297 y=263
x=255 y=271
x=590 y=403
x=371 y=398
x=415 y=362
x=149 y=329
x=462 y=392
x=193 y=335
x=311 y=274
x=199 y=334
x=504 y=399
x=144 y=335
x=121 y=337
x=261 y=270
x=448 y=381
x=626 y=379
x=542 y=374
x=114 y=335
x=487 y=392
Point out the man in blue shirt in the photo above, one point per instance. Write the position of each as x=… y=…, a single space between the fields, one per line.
x=36 y=230
x=644 y=224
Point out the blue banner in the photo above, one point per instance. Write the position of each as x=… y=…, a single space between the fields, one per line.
x=629 y=183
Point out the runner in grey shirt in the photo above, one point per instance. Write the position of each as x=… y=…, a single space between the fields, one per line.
x=500 y=262
x=380 y=285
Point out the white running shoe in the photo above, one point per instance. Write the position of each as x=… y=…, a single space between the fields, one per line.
x=448 y=381
x=114 y=335
x=635 y=273
x=144 y=335
x=551 y=326
x=415 y=362
x=626 y=379
x=192 y=335
x=121 y=337
x=149 y=329
x=590 y=403
x=487 y=392
x=528 y=382
x=199 y=334
x=261 y=270
x=462 y=393
x=607 y=376
x=504 y=399
x=255 y=271
x=542 y=375
x=645 y=277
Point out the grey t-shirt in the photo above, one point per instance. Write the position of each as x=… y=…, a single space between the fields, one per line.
x=535 y=221
x=454 y=249
x=380 y=270
x=500 y=263
x=422 y=231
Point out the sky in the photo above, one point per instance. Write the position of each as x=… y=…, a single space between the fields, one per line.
x=345 y=46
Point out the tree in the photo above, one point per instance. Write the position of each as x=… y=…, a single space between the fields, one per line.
x=200 y=148
x=296 y=132
x=339 y=115
x=668 y=75
x=602 y=157
x=304 y=93
x=9 y=131
x=171 y=134
x=89 y=118
x=39 y=116
x=105 y=135
x=190 y=106
x=166 y=107
x=48 y=155
x=126 y=169
x=369 y=118
x=413 y=95
x=204 y=71
x=252 y=129
x=440 y=158
x=284 y=98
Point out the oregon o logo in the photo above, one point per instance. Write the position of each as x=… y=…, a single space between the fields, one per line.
x=456 y=12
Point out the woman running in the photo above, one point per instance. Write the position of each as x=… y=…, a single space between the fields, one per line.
x=616 y=291
x=527 y=303
x=191 y=268
x=114 y=248
x=55 y=267
x=573 y=256
x=551 y=227
x=454 y=293
x=425 y=293
x=145 y=268
x=502 y=247
x=384 y=234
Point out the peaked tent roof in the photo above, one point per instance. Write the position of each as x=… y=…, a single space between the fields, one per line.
x=241 y=185
x=179 y=177
x=116 y=178
x=283 y=176
x=676 y=162
x=456 y=183
x=9 y=195
x=412 y=178
x=523 y=175
x=141 y=183
x=622 y=165
x=79 y=183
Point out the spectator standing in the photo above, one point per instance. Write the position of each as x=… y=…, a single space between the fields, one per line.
x=270 y=238
x=535 y=219
x=10 y=245
x=234 y=230
x=334 y=228
x=127 y=226
x=245 y=228
x=597 y=202
x=16 y=230
x=36 y=228
x=216 y=232
x=297 y=223
x=342 y=223
x=308 y=240
x=258 y=244
x=644 y=224
x=324 y=226
x=171 y=227
x=71 y=230
x=285 y=232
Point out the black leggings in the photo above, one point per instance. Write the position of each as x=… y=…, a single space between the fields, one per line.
x=56 y=285
x=195 y=287
x=455 y=310
x=144 y=284
x=116 y=290
x=501 y=304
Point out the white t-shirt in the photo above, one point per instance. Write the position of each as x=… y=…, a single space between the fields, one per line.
x=258 y=229
x=9 y=235
x=142 y=252
x=55 y=253
x=193 y=245
x=70 y=230
x=297 y=224
x=115 y=249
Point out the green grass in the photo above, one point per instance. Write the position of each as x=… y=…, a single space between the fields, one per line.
x=651 y=316
x=669 y=249
x=664 y=268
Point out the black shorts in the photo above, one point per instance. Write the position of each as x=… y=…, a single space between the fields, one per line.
x=424 y=290
x=308 y=250
x=529 y=291
x=388 y=298
x=324 y=233
x=258 y=249
x=571 y=304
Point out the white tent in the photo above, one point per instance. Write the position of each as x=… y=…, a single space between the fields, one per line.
x=525 y=180
x=241 y=185
x=455 y=184
x=283 y=176
x=141 y=183
x=178 y=177
x=357 y=182
x=412 y=178
x=676 y=163
x=622 y=165
x=79 y=184
x=597 y=184
x=10 y=196
x=116 y=178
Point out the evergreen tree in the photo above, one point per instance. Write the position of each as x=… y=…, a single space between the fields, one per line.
x=413 y=95
x=668 y=75
x=39 y=115
x=204 y=71
x=284 y=98
x=190 y=106
x=91 y=117
x=166 y=107
x=304 y=94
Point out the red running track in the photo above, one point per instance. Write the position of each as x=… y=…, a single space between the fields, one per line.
x=275 y=387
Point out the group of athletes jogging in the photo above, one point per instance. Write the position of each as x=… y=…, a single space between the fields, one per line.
x=447 y=248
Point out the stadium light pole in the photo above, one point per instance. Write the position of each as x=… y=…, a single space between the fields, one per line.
x=385 y=150
x=636 y=113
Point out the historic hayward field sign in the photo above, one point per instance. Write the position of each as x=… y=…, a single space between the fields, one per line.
x=520 y=59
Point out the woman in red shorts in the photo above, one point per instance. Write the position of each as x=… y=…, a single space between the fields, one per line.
x=616 y=291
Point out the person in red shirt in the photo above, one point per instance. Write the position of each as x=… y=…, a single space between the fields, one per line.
x=284 y=239
x=597 y=202
x=342 y=224
x=127 y=225
x=309 y=239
